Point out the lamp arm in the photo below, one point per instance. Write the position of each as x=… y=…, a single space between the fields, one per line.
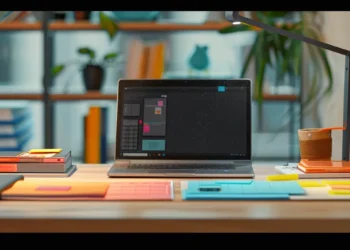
x=239 y=18
x=326 y=46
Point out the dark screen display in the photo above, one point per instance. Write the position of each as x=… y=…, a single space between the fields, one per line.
x=174 y=120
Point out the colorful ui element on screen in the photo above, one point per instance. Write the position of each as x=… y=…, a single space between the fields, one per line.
x=241 y=190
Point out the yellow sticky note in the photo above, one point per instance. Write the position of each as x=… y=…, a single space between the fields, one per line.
x=46 y=150
x=336 y=182
x=283 y=177
x=339 y=192
x=311 y=184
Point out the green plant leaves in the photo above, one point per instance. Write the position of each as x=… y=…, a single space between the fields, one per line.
x=56 y=70
x=235 y=28
x=109 y=25
x=87 y=51
x=110 y=56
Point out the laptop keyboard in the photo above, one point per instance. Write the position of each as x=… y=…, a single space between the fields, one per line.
x=181 y=166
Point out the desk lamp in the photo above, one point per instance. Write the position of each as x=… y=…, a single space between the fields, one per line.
x=238 y=19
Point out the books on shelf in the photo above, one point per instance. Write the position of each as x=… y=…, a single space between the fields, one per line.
x=15 y=128
x=95 y=135
x=145 y=61
x=13 y=16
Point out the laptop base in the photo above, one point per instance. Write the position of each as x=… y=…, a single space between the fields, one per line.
x=241 y=171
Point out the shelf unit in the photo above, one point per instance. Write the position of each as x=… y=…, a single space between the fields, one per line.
x=47 y=28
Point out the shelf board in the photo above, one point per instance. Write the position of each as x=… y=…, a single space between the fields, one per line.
x=9 y=26
x=92 y=95
x=13 y=96
x=277 y=97
x=127 y=26
x=140 y=26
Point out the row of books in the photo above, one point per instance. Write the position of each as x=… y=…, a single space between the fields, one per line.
x=145 y=61
x=15 y=128
x=95 y=135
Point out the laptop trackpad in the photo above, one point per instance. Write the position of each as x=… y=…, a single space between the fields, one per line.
x=185 y=171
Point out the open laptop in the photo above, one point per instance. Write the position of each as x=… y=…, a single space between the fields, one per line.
x=183 y=128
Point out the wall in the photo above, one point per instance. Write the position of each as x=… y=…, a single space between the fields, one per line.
x=336 y=32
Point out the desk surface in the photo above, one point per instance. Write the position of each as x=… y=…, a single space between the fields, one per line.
x=176 y=216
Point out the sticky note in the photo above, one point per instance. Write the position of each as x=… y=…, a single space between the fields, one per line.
x=336 y=182
x=53 y=188
x=221 y=88
x=342 y=187
x=46 y=150
x=158 y=111
x=283 y=177
x=160 y=103
x=339 y=192
x=146 y=128
x=311 y=184
x=140 y=122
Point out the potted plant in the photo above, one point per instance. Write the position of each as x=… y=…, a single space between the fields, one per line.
x=284 y=55
x=93 y=69
x=82 y=15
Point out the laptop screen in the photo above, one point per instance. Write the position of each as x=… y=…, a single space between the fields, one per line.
x=184 y=119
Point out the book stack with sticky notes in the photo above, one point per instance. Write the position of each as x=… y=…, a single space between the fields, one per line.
x=145 y=61
x=15 y=128
x=37 y=162
x=95 y=135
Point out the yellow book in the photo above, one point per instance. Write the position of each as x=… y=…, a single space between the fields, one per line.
x=93 y=133
x=45 y=150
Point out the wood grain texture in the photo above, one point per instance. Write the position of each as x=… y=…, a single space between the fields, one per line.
x=176 y=216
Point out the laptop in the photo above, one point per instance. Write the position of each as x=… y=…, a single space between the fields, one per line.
x=183 y=128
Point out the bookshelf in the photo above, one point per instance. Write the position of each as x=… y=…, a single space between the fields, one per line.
x=110 y=97
x=138 y=26
x=47 y=28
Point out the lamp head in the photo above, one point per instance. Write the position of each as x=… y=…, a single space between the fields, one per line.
x=233 y=17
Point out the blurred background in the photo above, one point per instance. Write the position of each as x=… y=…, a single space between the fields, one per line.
x=55 y=65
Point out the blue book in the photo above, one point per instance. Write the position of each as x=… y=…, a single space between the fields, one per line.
x=15 y=130
x=13 y=115
x=104 y=122
x=14 y=144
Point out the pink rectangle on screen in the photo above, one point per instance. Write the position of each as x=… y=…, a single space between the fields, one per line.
x=140 y=190
x=53 y=188
x=160 y=103
x=146 y=128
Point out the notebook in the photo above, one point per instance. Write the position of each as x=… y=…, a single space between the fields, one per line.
x=241 y=190
x=7 y=180
x=293 y=169
x=324 y=166
x=56 y=189
x=133 y=191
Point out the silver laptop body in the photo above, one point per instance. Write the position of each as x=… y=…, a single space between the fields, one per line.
x=183 y=128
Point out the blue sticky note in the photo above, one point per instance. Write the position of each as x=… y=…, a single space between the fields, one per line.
x=221 y=88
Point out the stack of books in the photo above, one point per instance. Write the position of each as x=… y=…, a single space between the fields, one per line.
x=95 y=135
x=15 y=128
x=38 y=162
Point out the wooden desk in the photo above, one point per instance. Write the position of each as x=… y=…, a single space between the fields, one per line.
x=176 y=216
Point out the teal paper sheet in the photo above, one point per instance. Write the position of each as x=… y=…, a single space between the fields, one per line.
x=241 y=190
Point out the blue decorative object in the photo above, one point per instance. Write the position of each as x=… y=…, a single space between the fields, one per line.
x=199 y=60
x=135 y=16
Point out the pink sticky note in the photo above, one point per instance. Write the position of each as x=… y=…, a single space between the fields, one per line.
x=160 y=103
x=146 y=128
x=140 y=122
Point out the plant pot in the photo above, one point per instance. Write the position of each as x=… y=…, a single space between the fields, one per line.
x=93 y=76
x=59 y=15
x=82 y=15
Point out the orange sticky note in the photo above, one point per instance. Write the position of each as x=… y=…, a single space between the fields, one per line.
x=340 y=187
